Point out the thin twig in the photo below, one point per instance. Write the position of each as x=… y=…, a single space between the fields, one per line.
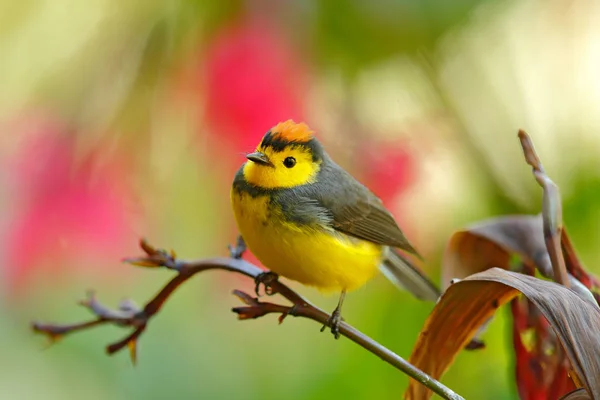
x=128 y=316
x=551 y=211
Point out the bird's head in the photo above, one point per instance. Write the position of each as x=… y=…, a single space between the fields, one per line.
x=288 y=155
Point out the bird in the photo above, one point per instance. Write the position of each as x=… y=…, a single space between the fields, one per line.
x=307 y=219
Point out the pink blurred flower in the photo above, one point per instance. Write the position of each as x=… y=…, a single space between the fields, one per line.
x=67 y=213
x=388 y=170
x=253 y=80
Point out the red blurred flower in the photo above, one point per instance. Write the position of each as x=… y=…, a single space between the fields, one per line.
x=541 y=366
x=67 y=213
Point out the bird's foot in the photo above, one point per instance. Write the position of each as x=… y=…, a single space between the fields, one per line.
x=334 y=323
x=238 y=250
x=265 y=279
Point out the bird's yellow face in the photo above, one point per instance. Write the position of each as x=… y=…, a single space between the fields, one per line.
x=287 y=156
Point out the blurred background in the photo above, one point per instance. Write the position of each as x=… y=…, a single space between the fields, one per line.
x=127 y=119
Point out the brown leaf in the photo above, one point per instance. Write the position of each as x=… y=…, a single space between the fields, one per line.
x=143 y=262
x=132 y=345
x=470 y=302
x=490 y=244
x=579 y=394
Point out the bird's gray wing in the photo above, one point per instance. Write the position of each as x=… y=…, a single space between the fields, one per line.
x=366 y=218
x=339 y=201
x=357 y=212
x=346 y=206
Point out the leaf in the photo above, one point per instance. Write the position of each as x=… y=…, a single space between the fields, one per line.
x=469 y=303
x=579 y=394
x=146 y=262
x=490 y=244
x=132 y=345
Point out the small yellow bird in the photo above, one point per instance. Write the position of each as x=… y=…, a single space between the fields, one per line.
x=307 y=219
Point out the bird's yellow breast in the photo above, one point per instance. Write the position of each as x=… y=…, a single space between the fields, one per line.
x=325 y=259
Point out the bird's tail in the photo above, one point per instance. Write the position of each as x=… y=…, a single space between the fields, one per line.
x=401 y=271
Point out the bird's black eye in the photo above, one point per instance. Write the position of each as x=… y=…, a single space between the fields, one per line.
x=289 y=162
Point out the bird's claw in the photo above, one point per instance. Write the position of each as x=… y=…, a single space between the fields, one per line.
x=265 y=279
x=334 y=323
x=238 y=250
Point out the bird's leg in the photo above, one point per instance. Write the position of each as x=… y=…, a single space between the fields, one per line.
x=336 y=317
x=266 y=279
x=239 y=249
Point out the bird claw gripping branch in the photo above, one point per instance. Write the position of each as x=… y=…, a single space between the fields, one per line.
x=266 y=279
x=334 y=322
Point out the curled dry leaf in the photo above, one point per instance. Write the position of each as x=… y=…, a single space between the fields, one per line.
x=470 y=302
x=579 y=394
x=132 y=345
x=540 y=372
x=491 y=243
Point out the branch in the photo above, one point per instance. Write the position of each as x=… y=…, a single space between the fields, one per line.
x=551 y=210
x=128 y=315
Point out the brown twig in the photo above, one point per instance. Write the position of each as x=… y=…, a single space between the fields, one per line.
x=130 y=316
x=551 y=210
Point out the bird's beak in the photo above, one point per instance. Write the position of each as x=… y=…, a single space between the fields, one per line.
x=259 y=158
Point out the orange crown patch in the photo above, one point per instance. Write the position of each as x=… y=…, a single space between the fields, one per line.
x=289 y=131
